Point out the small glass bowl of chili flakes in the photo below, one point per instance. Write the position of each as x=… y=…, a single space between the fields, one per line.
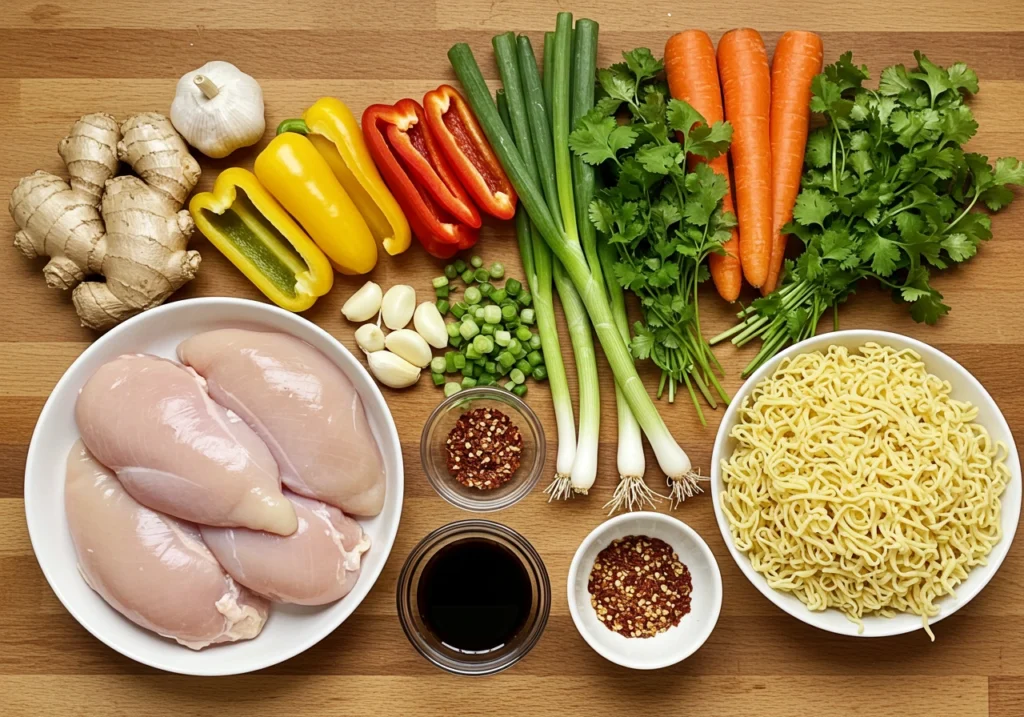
x=483 y=449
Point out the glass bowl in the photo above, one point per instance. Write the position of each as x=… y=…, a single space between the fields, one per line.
x=434 y=454
x=414 y=625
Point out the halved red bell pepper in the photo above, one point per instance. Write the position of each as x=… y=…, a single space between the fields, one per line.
x=441 y=214
x=463 y=142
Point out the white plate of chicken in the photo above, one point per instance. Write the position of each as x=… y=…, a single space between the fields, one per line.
x=214 y=486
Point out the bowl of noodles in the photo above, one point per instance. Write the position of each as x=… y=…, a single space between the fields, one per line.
x=866 y=483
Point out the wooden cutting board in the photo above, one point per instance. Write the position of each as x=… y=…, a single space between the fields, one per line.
x=60 y=59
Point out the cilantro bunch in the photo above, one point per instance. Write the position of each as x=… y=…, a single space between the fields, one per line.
x=662 y=220
x=888 y=193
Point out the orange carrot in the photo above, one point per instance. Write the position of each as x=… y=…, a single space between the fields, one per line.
x=746 y=86
x=693 y=78
x=797 y=60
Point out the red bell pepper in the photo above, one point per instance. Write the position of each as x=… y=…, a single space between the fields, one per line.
x=441 y=214
x=463 y=142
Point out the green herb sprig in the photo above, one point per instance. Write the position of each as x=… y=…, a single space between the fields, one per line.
x=662 y=220
x=888 y=193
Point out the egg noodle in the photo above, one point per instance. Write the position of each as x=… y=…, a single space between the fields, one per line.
x=858 y=483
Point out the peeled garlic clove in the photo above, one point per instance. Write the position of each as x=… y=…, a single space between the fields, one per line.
x=370 y=338
x=392 y=370
x=398 y=306
x=430 y=325
x=409 y=345
x=364 y=304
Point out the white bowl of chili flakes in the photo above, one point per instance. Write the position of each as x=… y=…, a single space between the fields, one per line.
x=644 y=590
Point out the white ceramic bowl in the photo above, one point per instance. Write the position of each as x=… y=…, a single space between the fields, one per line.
x=675 y=644
x=291 y=629
x=965 y=388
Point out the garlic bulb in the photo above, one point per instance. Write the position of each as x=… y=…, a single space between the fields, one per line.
x=218 y=108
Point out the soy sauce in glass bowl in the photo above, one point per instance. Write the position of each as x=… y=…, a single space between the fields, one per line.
x=474 y=597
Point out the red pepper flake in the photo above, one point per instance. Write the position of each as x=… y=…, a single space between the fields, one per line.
x=639 y=587
x=484 y=449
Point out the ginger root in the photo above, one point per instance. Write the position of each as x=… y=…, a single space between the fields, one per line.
x=131 y=230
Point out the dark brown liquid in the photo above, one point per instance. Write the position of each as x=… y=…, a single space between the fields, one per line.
x=475 y=595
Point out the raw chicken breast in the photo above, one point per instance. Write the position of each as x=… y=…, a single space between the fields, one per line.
x=175 y=450
x=152 y=568
x=315 y=565
x=302 y=405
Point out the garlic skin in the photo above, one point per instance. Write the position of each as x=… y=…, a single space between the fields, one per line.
x=218 y=109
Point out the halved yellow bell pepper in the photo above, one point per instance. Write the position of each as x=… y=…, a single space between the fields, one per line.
x=300 y=179
x=334 y=132
x=257 y=235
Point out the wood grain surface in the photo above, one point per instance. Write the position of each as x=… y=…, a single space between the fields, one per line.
x=60 y=59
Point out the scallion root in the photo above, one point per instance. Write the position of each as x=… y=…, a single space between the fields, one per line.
x=683 y=487
x=560 y=488
x=632 y=493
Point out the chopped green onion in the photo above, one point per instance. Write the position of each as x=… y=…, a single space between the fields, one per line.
x=440 y=281
x=476 y=262
x=450 y=271
x=514 y=346
x=535 y=358
x=442 y=292
x=438 y=364
x=528 y=316
x=449 y=362
x=468 y=382
x=498 y=296
x=455 y=341
x=497 y=270
x=512 y=287
x=471 y=353
x=486 y=288
x=459 y=309
x=460 y=266
x=472 y=295
x=470 y=370
x=469 y=329
x=517 y=376
x=485 y=379
x=510 y=385
x=437 y=377
x=481 y=275
x=492 y=314
x=524 y=366
x=467 y=276
x=535 y=342
x=442 y=306
x=451 y=388
x=487 y=329
x=505 y=359
x=519 y=390
x=540 y=373
x=525 y=298
x=460 y=361
x=452 y=328
x=483 y=344
x=523 y=333
x=508 y=312
x=490 y=367
x=502 y=337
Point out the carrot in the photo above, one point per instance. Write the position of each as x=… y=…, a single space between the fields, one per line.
x=746 y=86
x=693 y=78
x=797 y=60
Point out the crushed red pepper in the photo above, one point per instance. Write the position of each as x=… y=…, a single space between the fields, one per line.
x=484 y=449
x=639 y=587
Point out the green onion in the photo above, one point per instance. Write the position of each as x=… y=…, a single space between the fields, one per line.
x=524 y=298
x=535 y=358
x=451 y=388
x=508 y=312
x=483 y=344
x=497 y=270
x=437 y=377
x=490 y=367
x=519 y=390
x=460 y=362
x=440 y=281
x=498 y=295
x=523 y=333
x=459 y=309
x=473 y=295
x=467 y=276
x=486 y=288
x=468 y=382
x=476 y=262
x=450 y=271
x=442 y=292
x=517 y=376
x=437 y=364
x=524 y=366
x=505 y=359
x=502 y=338
x=487 y=329
x=468 y=329
x=452 y=328
x=460 y=266
x=512 y=287
x=540 y=373
x=442 y=306
x=535 y=342
x=455 y=341
x=529 y=316
x=492 y=314
x=671 y=457
x=510 y=385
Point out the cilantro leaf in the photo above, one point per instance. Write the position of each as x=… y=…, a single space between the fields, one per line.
x=601 y=216
x=812 y=207
x=819 y=148
x=959 y=247
x=932 y=75
x=618 y=82
x=682 y=116
x=599 y=140
x=929 y=308
x=962 y=77
x=607 y=106
x=895 y=81
x=642 y=342
x=642 y=63
x=846 y=75
x=1009 y=171
x=660 y=159
x=709 y=142
x=883 y=254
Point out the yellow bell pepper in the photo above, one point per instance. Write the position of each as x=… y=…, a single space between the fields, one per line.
x=301 y=180
x=255 y=233
x=334 y=132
